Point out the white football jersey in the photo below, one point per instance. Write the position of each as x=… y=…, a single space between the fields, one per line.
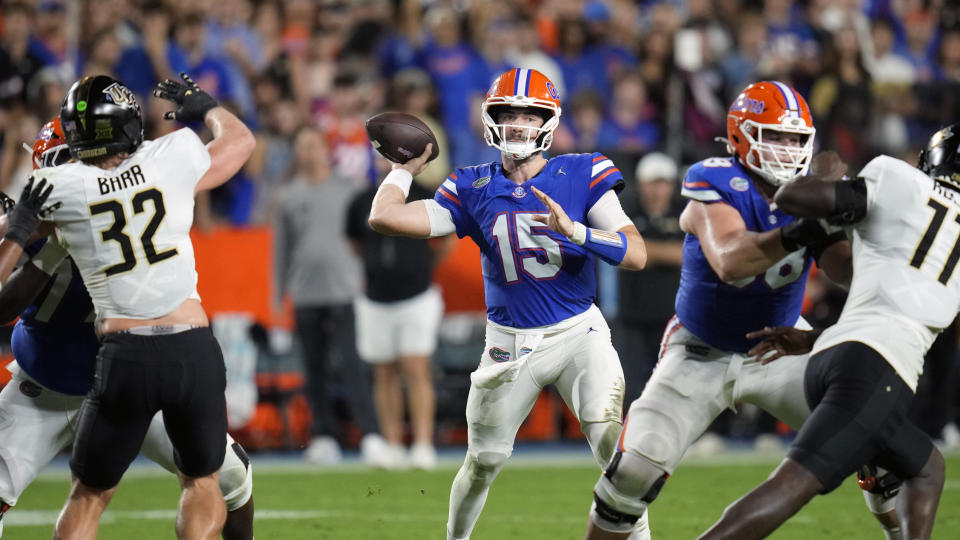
x=128 y=228
x=905 y=285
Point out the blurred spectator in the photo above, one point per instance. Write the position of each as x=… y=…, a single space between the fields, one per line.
x=792 y=42
x=18 y=44
x=920 y=27
x=582 y=67
x=49 y=24
x=102 y=54
x=315 y=267
x=343 y=123
x=397 y=318
x=748 y=61
x=646 y=298
x=230 y=38
x=630 y=122
x=527 y=53
x=155 y=57
x=892 y=75
x=841 y=99
x=580 y=132
x=209 y=70
x=412 y=92
x=462 y=79
x=271 y=161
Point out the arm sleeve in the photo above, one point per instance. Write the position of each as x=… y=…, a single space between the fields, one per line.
x=441 y=220
x=607 y=214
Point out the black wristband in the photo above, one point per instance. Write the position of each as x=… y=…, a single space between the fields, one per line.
x=851 y=202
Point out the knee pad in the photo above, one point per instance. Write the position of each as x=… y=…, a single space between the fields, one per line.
x=659 y=442
x=236 y=477
x=880 y=488
x=486 y=462
x=626 y=488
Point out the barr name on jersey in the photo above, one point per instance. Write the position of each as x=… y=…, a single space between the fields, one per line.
x=129 y=178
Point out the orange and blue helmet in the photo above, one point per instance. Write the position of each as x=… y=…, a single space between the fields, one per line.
x=770 y=106
x=521 y=88
x=50 y=148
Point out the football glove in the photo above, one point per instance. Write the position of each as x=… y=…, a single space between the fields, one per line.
x=193 y=104
x=25 y=216
x=800 y=233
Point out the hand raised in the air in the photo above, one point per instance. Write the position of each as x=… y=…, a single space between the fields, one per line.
x=557 y=219
x=192 y=102
x=23 y=219
x=416 y=165
x=782 y=340
x=827 y=165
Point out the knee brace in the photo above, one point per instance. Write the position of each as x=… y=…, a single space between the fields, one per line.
x=236 y=477
x=880 y=488
x=623 y=493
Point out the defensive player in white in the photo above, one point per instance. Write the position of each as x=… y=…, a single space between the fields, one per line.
x=863 y=370
x=745 y=264
x=125 y=212
x=529 y=217
x=55 y=348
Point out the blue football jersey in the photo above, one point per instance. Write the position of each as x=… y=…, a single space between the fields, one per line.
x=532 y=276
x=721 y=313
x=54 y=340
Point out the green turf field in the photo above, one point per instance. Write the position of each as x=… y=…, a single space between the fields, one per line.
x=528 y=501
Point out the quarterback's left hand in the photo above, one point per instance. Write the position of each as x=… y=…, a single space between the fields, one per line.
x=557 y=219
x=782 y=340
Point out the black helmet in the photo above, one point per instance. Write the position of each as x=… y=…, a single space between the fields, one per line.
x=940 y=160
x=101 y=117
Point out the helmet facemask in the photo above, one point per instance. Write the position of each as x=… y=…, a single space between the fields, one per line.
x=775 y=162
x=538 y=139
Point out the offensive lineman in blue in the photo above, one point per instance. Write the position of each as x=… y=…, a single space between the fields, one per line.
x=55 y=348
x=527 y=215
x=745 y=264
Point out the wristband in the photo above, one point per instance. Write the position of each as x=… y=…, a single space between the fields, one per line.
x=49 y=257
x=400 y=178
x=611 y=247
x=579 y=235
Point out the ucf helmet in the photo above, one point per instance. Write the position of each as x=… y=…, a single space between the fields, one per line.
x=101 y=117
x=940 y=159
x=770 y=106
x=50 y=149
x=521 y=88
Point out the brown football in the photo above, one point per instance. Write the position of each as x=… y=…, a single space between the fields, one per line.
x=400 y=137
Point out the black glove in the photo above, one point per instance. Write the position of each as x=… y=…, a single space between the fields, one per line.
x=25 y=216
x=7 y=202
x=801 y=233
x=192 y=102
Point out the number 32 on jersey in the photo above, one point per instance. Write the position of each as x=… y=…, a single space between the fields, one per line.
x=116 y=233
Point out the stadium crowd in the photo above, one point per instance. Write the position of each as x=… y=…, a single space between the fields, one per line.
x=634 y=76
